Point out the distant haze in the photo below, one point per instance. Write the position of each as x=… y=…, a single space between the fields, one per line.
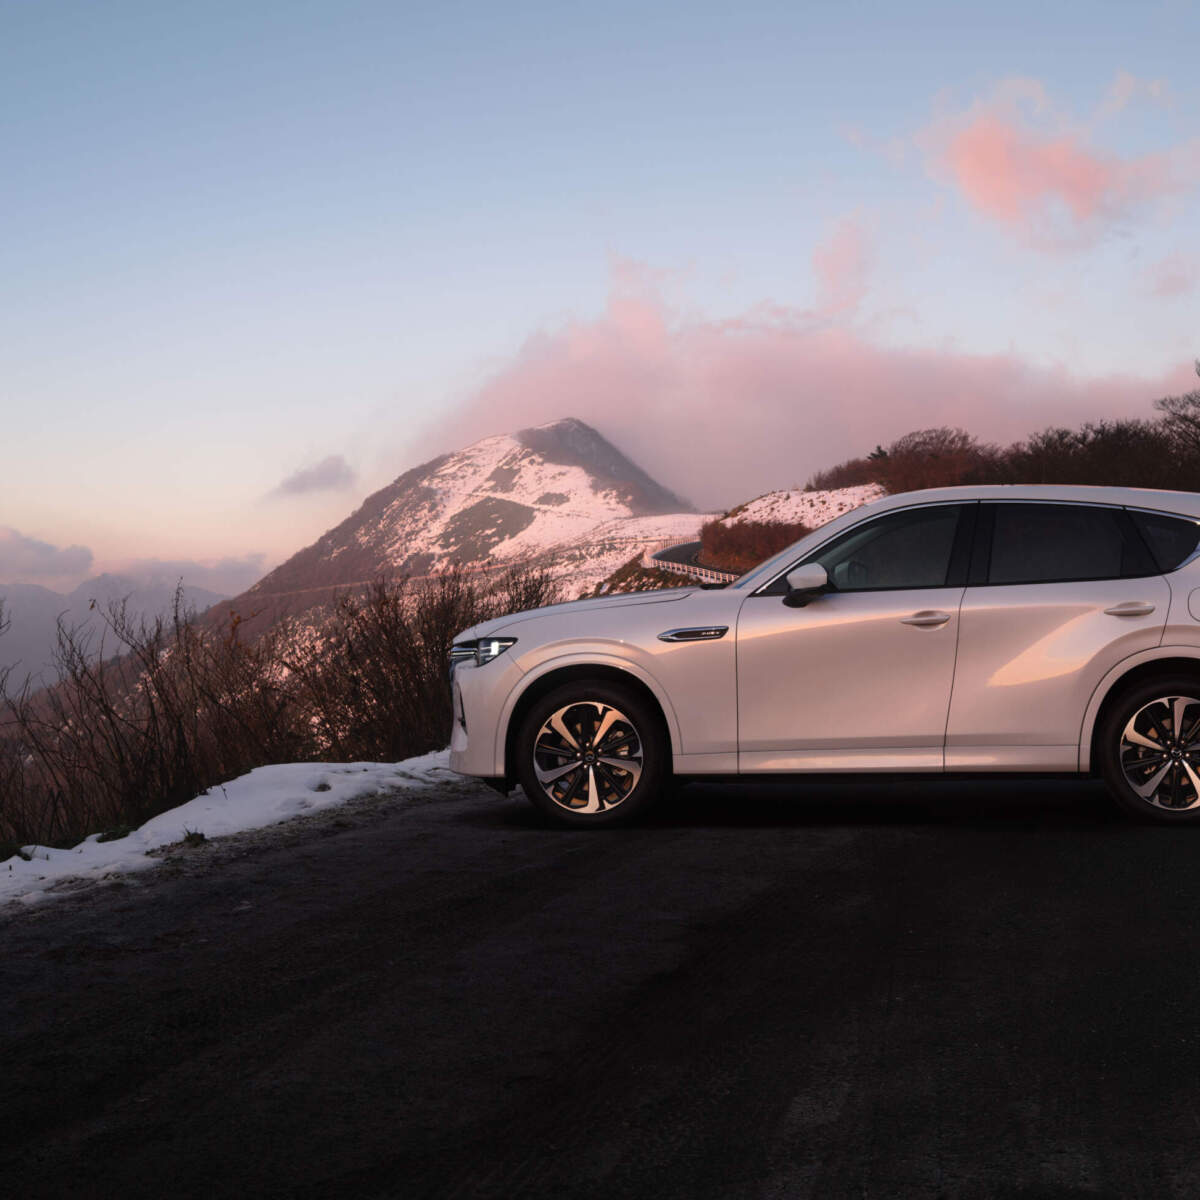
x=33 y=614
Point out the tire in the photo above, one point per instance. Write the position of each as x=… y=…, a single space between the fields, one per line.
x=1149 y=784
x=562 y=770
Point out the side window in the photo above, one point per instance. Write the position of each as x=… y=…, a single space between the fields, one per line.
x=1172 y=540
x=1057 y=543
x=910 y=549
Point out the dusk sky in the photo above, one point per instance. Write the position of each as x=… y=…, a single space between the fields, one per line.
x=259 y=258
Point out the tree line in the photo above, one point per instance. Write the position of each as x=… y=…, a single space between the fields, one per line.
x=1158 y=452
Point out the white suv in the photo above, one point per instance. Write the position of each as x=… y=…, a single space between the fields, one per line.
x=976 y=629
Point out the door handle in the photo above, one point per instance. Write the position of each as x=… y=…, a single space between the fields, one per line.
x=927 y=618
x=1131 y=608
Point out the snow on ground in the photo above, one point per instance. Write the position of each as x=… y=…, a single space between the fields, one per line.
x=812 y=508
x=264 y=797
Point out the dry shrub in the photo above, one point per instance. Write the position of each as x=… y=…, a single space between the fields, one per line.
x=945 y=457
x=378 y=688
x=852 y=473
x=148 y=714
x=740 y=545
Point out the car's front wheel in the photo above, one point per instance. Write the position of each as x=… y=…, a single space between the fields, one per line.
x=1149 y=750
x=592 y=753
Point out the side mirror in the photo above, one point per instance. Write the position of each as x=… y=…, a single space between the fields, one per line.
x=805 y=584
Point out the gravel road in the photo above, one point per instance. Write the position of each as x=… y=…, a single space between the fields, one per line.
x=835 y=990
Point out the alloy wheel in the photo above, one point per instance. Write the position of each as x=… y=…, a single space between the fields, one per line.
x=1160 y=753
x=587 y=756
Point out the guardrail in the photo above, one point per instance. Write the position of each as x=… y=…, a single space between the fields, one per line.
x=693 y=570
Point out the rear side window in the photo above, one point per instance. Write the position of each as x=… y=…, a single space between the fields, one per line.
x=1172 y=540
x=1058 y=543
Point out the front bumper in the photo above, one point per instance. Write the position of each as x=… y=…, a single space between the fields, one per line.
x=480 y=696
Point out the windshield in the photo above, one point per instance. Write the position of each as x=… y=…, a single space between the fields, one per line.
x=767 y=568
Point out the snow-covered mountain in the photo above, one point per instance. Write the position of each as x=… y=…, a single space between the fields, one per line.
x=559 y=495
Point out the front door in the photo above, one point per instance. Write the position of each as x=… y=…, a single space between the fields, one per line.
x=860 y=678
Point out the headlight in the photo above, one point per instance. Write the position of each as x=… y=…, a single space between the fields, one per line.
x=488 y=648
x=479 y=652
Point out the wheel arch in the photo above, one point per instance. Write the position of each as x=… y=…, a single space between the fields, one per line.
x=538 y=684
x=1164 y=660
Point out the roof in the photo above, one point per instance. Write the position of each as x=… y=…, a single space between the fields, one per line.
x=1187 y=503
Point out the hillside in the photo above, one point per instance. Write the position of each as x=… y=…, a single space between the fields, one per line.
x=795 y=505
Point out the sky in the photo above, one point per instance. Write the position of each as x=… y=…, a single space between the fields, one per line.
x=256 y=260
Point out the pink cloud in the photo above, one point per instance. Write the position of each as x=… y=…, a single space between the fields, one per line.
x=723 y=410
x=1010 y=175
x=1034 y=171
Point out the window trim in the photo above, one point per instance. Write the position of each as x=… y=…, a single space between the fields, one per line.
x=981 y=557
x=966 y=528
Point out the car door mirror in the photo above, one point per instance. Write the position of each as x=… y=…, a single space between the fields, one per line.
x=805 y=584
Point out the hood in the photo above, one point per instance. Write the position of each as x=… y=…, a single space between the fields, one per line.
x=624 y=600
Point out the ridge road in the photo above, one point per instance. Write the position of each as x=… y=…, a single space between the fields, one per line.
x=831 y=989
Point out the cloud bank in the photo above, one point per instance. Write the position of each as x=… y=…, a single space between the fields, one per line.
x=720 y=411
x=24 y=558
x=332 y=473
x=226 y=576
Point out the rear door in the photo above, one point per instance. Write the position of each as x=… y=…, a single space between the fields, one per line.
x=1057 y=595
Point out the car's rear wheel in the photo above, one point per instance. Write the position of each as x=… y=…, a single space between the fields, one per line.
x=592 y=753
x=1149 y=750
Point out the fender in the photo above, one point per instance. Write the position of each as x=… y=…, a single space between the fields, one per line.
x=599 y=658
x=1105 y=686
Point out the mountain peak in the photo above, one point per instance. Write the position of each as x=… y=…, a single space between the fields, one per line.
x=565 y=424
x=571 y=442
x=533 y=495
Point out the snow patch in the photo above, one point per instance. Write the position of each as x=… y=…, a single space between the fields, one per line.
x=265 y=796
x=812 y=508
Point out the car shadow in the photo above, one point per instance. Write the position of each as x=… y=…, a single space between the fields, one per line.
x=1008 y=804
x=975 y=803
